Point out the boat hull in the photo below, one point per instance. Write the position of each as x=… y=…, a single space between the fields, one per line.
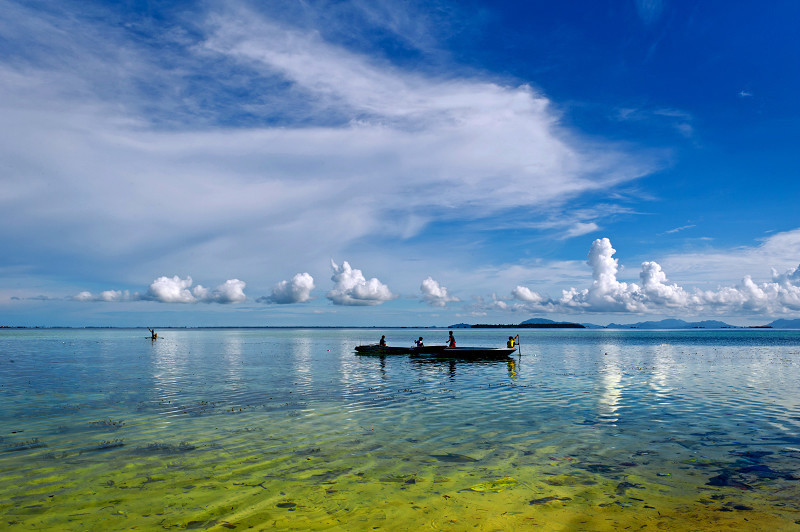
x=375 y=349
x=382 y=350
x=437 y=351
x=482 y=353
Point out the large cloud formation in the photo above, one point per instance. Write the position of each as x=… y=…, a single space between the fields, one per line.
x=296 y=290
x=656 y=294
x=105 y=123
x=352 y=288
x=174 y=290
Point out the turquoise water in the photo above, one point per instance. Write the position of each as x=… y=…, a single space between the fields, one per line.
x=288 y=429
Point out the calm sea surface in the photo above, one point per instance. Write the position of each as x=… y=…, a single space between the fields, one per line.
x=264 y=429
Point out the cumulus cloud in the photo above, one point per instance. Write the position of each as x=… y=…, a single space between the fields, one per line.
x=352 y=288
x=434 y=294
x=523 y=293
x=606 y=294
x=654 y=292
x=107 y=295
x=231 y=291
x=173 y=290
x=296 y=290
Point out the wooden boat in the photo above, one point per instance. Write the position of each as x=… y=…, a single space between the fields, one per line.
x=474 y=352
x=437 y=351
x=375 y=349
x=382 y=350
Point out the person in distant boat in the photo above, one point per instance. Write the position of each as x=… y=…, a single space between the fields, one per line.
x=419 y=342
x=511 y=340
x=382 y=343
x=153 y=335
x=451 y=341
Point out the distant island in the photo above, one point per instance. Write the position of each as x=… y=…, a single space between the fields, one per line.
x=536 y=323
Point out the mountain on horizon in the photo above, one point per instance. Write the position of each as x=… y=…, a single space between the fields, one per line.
x=673 y=324
x=785 y=324
x=537 y=321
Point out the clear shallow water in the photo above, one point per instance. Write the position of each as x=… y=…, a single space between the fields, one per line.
x=289 y=429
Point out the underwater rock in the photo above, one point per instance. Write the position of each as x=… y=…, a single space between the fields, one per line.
x=104 y=446
x=623 y=486
x=107 y=424
x=545 y=500
x=568 y=480
x=24 y=446
x=286 y=505
x=602 y=469
x=494 y=485
x=724 y=480
x=454 y=458
x=167 y=448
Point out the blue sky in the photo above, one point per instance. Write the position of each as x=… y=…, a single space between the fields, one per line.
x=398 y=163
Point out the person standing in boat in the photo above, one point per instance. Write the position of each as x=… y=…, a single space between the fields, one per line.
x=512 y=340
x=451 y=341
x=382 y=343
x=419 y=343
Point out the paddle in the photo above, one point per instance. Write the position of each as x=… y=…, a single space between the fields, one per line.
x=519 y=347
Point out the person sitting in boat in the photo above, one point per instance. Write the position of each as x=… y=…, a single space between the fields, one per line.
x=419 y=342
x=382 y=343
x=511 y=340
x=451 y=341
x=153 y=335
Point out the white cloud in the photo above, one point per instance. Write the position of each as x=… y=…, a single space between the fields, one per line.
x=330 y=134
x=677 y=229
x=297 y=290
x=352 y=288
x=173 y=290
x=606 y=293
x=523 y=293
x=107 y=296
x=231 y=291
x=656 y=290
x=656 y=294
x=581 y=228
x=434 y=294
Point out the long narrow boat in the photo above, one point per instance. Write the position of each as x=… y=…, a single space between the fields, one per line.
x=437 y=351
x=475 y=352
x=375 y=349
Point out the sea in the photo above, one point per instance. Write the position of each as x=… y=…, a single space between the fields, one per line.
x=290 y=429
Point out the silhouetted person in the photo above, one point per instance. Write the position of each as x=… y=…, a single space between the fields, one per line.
x=451 y=341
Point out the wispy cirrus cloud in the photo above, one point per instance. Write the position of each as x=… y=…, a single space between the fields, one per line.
x=113 y=144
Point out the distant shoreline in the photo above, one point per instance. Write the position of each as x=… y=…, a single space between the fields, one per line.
x=396 y=327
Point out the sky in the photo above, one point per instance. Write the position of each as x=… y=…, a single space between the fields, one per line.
x=387 y=163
